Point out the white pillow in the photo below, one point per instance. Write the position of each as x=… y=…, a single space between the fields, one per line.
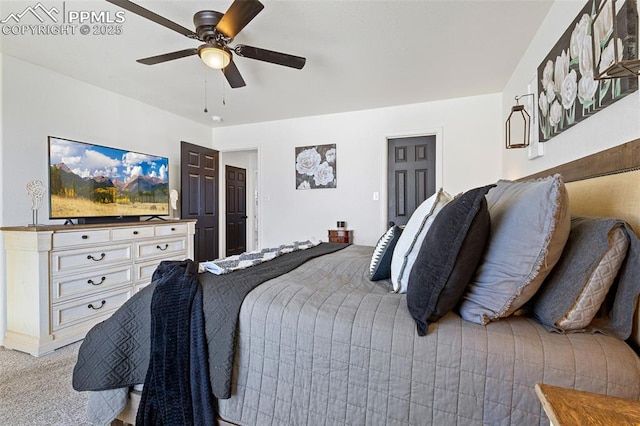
x=409 y=243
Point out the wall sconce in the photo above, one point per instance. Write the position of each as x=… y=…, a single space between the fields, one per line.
x=614 y=40
x=517 y=127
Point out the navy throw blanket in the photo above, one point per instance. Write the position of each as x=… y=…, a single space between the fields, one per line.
x=177 y=389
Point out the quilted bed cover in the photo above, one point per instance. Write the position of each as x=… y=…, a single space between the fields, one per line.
x=324 y=345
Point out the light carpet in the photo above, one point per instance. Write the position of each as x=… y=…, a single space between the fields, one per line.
x=37 y=391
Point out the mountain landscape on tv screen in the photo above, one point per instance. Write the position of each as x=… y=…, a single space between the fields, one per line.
x=88 y=180
x=139 y=195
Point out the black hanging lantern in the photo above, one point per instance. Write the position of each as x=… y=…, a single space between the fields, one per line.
x=614 y=40
x=517 y=127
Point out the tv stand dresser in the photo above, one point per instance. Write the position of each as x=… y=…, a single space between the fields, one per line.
x=62 y=280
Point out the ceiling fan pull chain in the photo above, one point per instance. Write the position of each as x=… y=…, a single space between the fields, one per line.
x=223 y=93
x=205 y=96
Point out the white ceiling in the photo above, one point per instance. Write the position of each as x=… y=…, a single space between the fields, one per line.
x=360 y=54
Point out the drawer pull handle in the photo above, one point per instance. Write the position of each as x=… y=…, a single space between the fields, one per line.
x=95 y=283
x=85 y=237
x=96 y=308
x=102 y=255
x=135 y=232
x=166 y=246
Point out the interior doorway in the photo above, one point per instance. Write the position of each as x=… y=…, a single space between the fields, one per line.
x=236 y=210
x=246 y=159
x=411 y=175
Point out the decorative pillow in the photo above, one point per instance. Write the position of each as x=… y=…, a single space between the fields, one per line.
x=411 y=239
x=574 y=290
x=530 y=225
x=380 y=266
x=448 y=257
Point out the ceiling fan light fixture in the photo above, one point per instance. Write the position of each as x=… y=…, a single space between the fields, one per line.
x=214 y=56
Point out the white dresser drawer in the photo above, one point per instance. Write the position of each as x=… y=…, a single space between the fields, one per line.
x=160 y=248
x=82 y=237
x=171 y=229
x=144 y=271
x=81 y=310
x=132 y=233
x=91 y=258
x=71 y=286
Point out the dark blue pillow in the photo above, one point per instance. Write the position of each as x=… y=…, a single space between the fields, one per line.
x=448 y=257
x=380 y=266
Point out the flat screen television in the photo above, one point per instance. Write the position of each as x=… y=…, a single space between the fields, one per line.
x=97 y=184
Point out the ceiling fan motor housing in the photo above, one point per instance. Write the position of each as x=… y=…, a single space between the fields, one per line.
x=205 y=22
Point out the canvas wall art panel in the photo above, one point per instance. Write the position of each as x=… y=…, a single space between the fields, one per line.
x=316 y=167
x=568 y=92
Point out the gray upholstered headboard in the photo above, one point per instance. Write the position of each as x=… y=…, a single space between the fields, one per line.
x=605 y=184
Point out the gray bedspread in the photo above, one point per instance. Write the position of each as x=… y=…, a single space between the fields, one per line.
x=323 y=345
x=115 y=353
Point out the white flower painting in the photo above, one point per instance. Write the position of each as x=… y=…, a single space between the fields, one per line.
x=568 y=91
x=316 y=166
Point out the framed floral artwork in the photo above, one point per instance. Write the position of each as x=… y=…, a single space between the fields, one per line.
x=316 y=166
x=567 y=90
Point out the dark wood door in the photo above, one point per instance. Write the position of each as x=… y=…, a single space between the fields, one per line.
x=411 y=175
x=199 y=188
x=236 y=235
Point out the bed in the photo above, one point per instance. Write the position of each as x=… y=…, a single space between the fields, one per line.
x=323 y=344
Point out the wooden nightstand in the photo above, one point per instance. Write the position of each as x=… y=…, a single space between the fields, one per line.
x=571 y=407
x=340 y=236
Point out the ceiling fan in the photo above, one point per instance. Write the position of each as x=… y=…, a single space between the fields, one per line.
x=216 y=30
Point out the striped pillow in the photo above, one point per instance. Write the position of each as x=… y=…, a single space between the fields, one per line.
x=404 y=256
x=380 y=266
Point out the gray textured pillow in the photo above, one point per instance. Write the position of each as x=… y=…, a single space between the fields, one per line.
x=530 y=225
x=576 y=287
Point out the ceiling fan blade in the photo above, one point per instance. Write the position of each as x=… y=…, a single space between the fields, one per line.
x=239 y=14
x=145 y=13
x=168 y=57
x=270 y=56
x=232 y=74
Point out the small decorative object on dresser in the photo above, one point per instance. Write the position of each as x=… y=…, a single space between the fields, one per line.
x=36 y=190
x=173 y=198
x=340 y=236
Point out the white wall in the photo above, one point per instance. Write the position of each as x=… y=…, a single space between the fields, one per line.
x=611 y=126
x=37 y=102
x=469 y=130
